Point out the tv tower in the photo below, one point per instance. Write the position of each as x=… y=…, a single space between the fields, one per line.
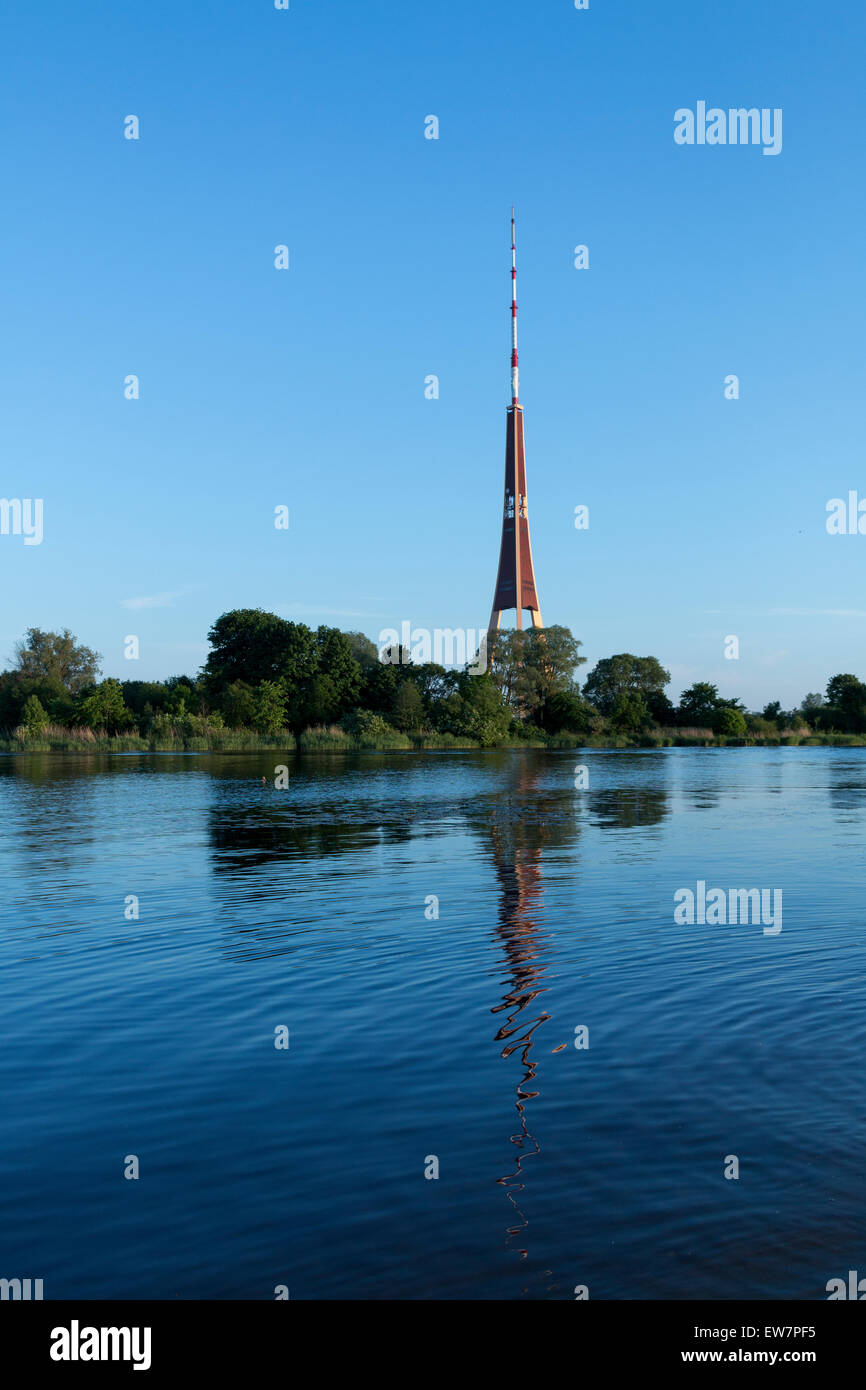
x=515 y=582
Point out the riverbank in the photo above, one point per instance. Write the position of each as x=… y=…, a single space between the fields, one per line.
x=336 y=740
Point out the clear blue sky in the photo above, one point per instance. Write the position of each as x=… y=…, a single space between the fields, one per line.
x=306 y=387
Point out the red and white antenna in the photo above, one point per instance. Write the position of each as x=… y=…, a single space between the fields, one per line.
x=515 y=375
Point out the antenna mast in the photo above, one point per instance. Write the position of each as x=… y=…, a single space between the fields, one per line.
x=515 y=375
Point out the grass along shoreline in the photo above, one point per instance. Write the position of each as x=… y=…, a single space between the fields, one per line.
x=334 y=739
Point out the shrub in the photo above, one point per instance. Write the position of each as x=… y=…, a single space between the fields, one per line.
x=33 y=716
x=372 y=731
x=730 y=722
x=565 y=710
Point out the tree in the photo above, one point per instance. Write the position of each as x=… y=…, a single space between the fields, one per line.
x=145 y=697
x=185 y=694
x=179 y=702
x=332 y=685
x=474 y=709
x=531 y=665
x=319 y=674
x=365 y=652
x=615 y=677
x=435 y=682
x=408 y=712
x=730 y=722
x=335 y=660
x=699 y=703
x=56 y=657
x=104 y=708
x=484 y=715
x=630 y=713
x=661 y=709
x=16 y=689
x=251 y=645
x=370 y=729
x=566 y=711
x=381 y=680
x=842 y=689
x=846 y=698
x=794 y=719
x=238 y=705
x=814 y=711
x=269 y=707
x=34 y=716
x=772 y=711
x=379 y=687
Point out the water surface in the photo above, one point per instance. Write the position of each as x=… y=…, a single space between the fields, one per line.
x=414 y=1037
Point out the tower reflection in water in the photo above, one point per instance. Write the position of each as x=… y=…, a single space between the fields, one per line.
x=520 y=823
x=537 y=813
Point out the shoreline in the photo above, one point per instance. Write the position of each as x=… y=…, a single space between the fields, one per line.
x=296 y=746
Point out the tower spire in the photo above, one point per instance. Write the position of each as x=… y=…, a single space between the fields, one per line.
x=515 y=373
x=515 y=580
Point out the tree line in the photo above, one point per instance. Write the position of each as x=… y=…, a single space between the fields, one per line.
x=270 y=675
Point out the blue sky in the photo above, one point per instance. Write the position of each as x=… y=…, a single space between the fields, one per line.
x=306 y=387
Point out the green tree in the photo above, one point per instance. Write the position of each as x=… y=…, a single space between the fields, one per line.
x=566 y=711
x=332 y=686
x=615 y=677
x=185 y=694
x=34 y=716
x=104 y=708
x=661 y=709
x=318 y=703
x=475 y=709
x=57 y=657
x=144 y=698
x=381 y=680
x=371 y=730
x=321 y=677
x=16 y=689
x=251 y=645
x=842 y=690
x=237 y=703
x=730 y=722
x=793 y=719
x=435 y=683
x=630 y=713
x=178 y=703
x=269 y=707
x=379 y=687
x=335 y=660
x=486 y=717
x=846 y=700
x=408 y=712
x=699 y=703
x=365 y=652
x=530 y=665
